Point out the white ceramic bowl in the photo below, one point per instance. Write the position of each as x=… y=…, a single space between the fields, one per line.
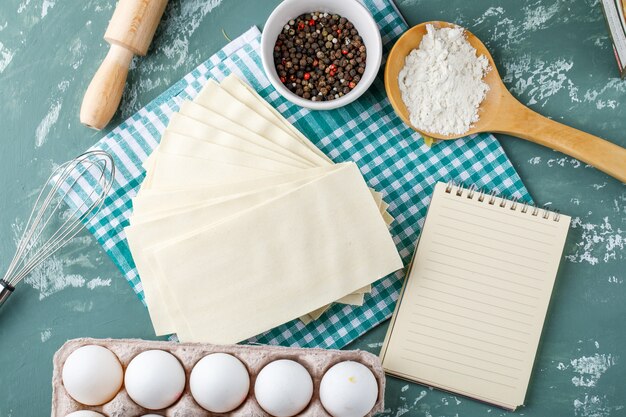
x=352 y=10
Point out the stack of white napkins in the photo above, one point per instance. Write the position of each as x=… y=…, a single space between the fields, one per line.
x=242 y=224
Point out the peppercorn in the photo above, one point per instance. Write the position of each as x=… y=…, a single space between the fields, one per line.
x=319 y=56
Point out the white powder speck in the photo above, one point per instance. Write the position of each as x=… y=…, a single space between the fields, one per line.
x=49 y=278
x=608 y=97
x=184 y=25
x=180 y=22
x=98 y=282
x=103 y=7
x=595 y=406
x=23 y=5
x=598 y=242
x=6 y=56
x=601 y=41
x=539 y=80
x=80 y=306
x=590 y=369
x=46 y=6
x=442 y=82
x=46 y=335
x=402 y=410
x=490 y=12
x=564 y=161
x=509 y=30
x=62 y=86
x=581 y=406
x=41 y=134
x=420 y=397
x=52 y=276
x=77 y=50
x=535 y=17
x=611 y=104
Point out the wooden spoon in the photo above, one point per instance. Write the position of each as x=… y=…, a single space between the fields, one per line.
x=500 y=112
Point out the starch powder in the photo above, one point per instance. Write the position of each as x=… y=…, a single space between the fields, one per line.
x=442 y=82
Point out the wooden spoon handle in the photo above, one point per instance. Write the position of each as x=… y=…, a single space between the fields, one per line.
x=522 y=122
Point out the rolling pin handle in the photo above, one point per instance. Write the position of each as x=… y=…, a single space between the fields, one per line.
x=105 y=90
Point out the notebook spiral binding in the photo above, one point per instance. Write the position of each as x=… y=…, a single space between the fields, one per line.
x=492 y=199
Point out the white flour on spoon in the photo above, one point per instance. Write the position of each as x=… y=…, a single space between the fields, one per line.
x=442 y=82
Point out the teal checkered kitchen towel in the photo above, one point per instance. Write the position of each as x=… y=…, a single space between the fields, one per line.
x=393 y=159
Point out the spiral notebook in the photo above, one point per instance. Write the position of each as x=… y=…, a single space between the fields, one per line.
x=472 y=308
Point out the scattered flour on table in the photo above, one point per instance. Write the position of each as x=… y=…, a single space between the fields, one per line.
x=590 y=405
x=589 y=369
x=79 y=306
x=99 y=282
x=598 y=242
x=6 y=56
x=46 y=335
x=41 y=133
x=539 y=80
x=49 y=278
x=607 y=97
x=23 y=6
x=442 y=82
x=46 y=6
x=53 y=274
x=180 y=22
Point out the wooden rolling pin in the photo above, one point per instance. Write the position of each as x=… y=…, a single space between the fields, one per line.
x=129 y=33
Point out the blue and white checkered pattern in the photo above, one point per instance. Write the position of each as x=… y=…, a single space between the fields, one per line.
x=393 y=159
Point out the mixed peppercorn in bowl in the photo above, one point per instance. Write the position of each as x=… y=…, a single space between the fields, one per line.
x=321 y=54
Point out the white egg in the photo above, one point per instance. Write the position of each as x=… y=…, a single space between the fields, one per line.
x=348 y=389
x=85 y=413
x=154 y=379
x=92 y=375
x=283 y=388
x=219 y=382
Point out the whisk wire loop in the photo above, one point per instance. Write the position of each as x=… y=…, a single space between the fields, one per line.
x=36 y=244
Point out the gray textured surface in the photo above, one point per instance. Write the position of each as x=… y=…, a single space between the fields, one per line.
x=554 y=55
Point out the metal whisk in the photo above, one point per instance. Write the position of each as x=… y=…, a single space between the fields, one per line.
x=95 y=168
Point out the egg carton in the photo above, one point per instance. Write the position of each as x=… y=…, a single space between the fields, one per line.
x=316 y=361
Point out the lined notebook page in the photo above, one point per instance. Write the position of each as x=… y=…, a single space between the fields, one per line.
x=473 y=306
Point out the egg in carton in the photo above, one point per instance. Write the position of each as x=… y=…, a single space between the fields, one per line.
x=145 y=378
